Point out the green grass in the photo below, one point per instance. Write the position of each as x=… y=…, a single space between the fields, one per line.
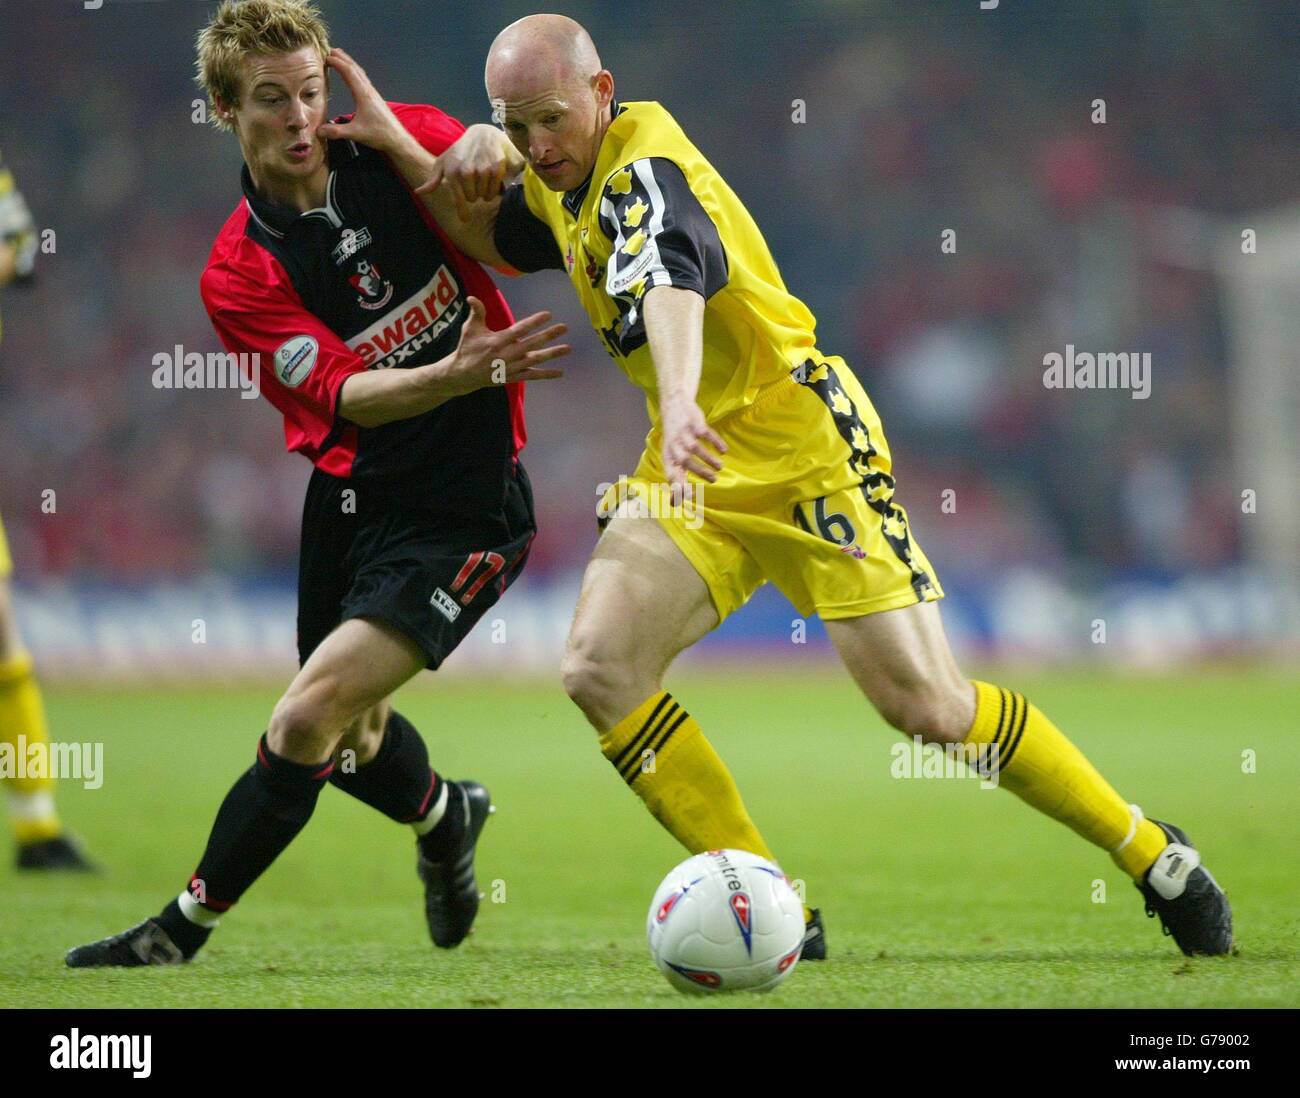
x=936 y=893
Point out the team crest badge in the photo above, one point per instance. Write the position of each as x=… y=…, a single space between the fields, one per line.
x=373 y=290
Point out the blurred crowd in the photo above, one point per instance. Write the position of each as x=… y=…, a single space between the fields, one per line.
x=858 y=134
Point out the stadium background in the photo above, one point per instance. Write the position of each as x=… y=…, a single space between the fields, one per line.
x=1071 y=507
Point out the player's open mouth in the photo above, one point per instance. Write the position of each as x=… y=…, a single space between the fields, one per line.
x=300 y=151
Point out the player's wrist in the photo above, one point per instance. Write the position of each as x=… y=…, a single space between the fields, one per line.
x=448 y=377
x=676 y=404
x=496 y=143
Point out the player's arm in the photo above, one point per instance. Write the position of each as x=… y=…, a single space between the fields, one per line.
x=467 y=190
x=468 y=220
x=482 y=159
x=316 y=380
x=669 y=260
x=674 y=325
x=483 y=357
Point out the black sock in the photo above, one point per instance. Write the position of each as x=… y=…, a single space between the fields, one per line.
x=397 y=781
x=270 y=803
x=188 y=936
x=445 y=838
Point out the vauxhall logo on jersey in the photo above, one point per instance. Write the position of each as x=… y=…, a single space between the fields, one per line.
x=414 y=324
x=373 y=289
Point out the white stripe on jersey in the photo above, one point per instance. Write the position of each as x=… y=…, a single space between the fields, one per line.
x=645 y=173
x=647 y=263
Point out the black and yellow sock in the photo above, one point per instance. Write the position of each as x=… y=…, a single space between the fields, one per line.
x=659 y=750
x=1037 y=763
x=22 y=723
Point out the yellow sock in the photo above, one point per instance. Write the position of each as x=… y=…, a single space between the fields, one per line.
x=1038 y=764
x=659 y=750
x=31 y=800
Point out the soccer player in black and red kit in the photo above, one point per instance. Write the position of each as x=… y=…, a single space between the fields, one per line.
x=398 y=370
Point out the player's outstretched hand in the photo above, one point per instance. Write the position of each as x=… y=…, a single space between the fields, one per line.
x=374 y=122
x=484 y=357
x=686 y=433
x=476 y=167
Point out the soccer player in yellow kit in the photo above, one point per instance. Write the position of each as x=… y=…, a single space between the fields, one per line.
x=798 y=484
x=42 y=841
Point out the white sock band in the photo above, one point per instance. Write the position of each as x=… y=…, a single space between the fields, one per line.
x=31 y=806
x=1132 y=827
x=196 y=913
x=435 y=815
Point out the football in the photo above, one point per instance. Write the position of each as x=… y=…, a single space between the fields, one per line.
x=725 y=920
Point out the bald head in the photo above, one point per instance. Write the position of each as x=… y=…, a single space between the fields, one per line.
x=551 y=96
x=540 y=48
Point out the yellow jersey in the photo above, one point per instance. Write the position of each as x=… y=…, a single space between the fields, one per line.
x=805 y=494
x=655 y=212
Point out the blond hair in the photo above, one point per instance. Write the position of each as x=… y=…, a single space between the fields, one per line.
x=241 y=27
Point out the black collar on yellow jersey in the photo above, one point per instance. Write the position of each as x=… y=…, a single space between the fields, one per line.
x=573 y=199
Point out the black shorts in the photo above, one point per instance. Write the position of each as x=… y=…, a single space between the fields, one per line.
x=386 y=553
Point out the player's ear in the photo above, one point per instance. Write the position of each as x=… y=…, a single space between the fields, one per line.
x=224 y=110
x=603 y=85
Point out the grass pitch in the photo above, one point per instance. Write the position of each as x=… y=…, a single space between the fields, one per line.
x=936 y=893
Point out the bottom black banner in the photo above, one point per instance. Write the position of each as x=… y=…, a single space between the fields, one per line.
x=212 y=1047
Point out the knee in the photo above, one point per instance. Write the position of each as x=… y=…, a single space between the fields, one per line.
x=588 y=679
x=598 y=683
x=306 y=723
x=936 y=715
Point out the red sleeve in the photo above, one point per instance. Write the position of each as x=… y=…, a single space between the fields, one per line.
x=301 y=363
x=432 y=128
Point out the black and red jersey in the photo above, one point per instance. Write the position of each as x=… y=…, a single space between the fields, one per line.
x=366 y=281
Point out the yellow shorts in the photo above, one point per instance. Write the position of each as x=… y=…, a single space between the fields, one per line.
x=804 y=499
